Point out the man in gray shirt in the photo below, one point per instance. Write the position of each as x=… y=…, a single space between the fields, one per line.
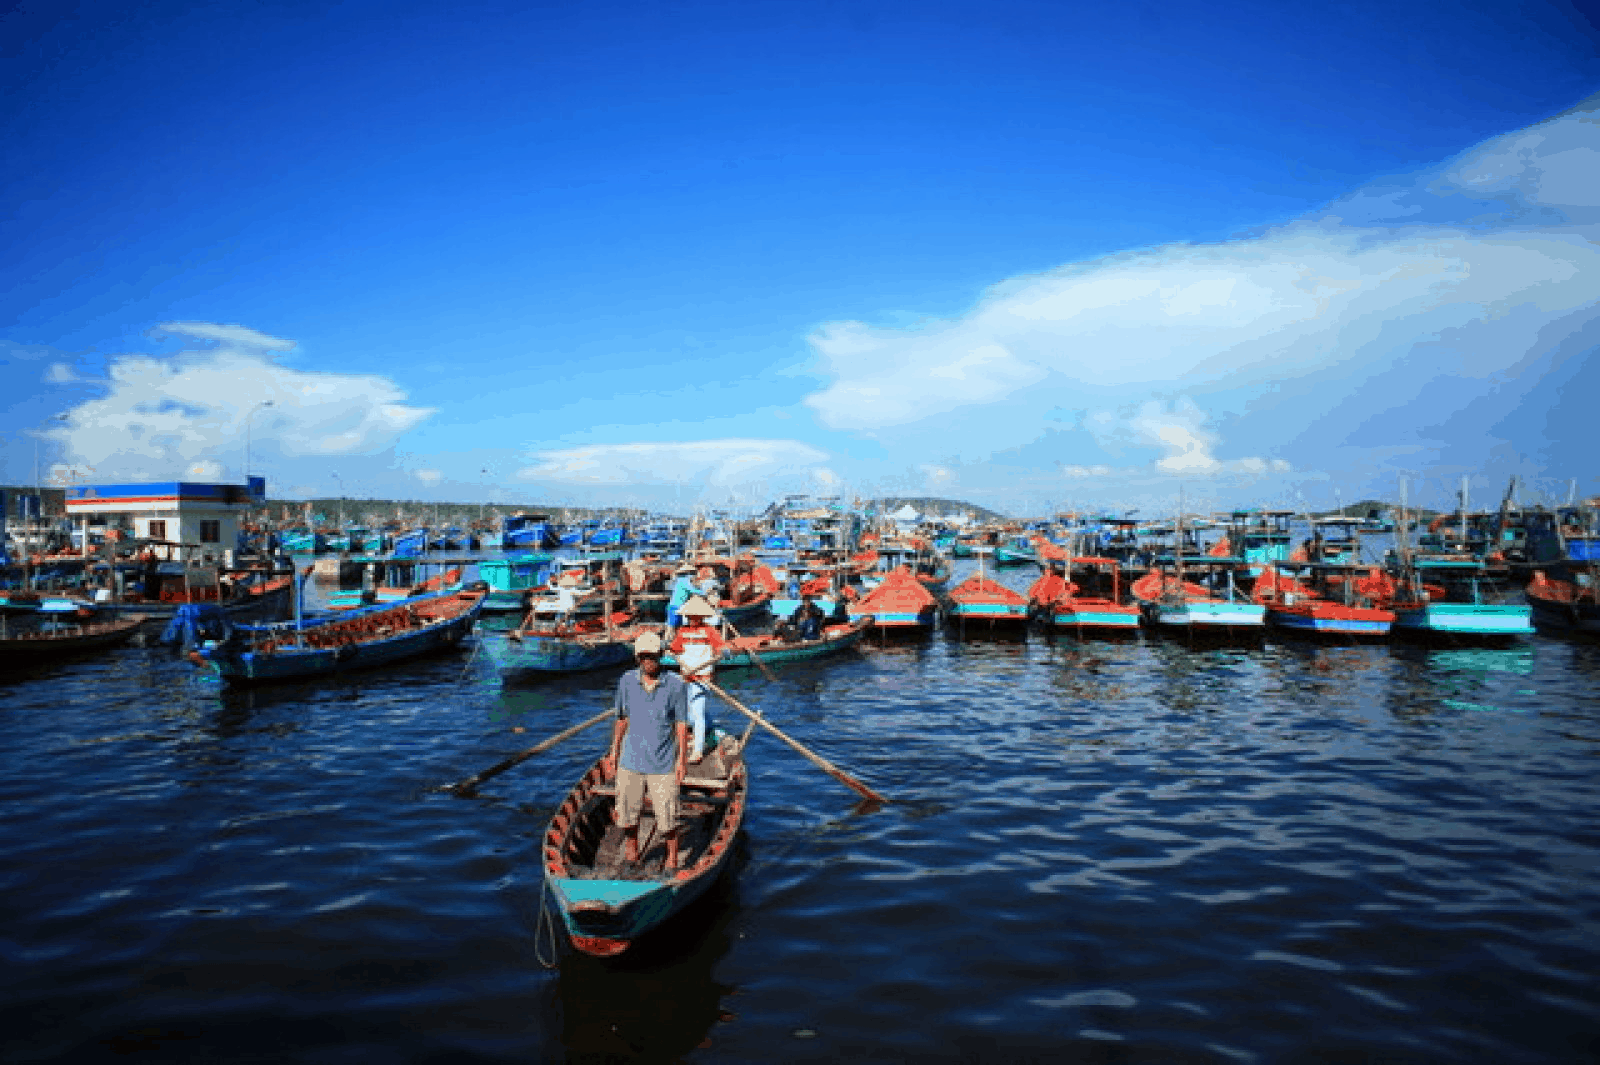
x=649 y=747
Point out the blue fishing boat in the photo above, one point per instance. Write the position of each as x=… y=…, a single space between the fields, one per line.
x=604 y=902
x=358 y=639
x=522 y=532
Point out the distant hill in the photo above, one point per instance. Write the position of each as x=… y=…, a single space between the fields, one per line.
x=939 y=507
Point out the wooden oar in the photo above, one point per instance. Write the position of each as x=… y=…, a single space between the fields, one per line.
x=468 y=786
x=816 y=759
x=751 y=651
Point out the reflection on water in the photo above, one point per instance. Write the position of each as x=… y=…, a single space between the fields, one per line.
x=661 y=1000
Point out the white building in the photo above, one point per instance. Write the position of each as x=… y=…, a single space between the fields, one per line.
x=201 y=516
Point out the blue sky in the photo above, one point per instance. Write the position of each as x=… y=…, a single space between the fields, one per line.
x=1031 y=255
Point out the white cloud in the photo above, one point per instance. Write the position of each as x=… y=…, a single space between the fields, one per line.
x=1468 y=272
x=172 y=416
x=235 y=336
x=718 y=463
x=429 y=477
x=59 y=373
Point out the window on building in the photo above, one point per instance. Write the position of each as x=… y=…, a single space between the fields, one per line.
x=158 y=529
x=211 y=532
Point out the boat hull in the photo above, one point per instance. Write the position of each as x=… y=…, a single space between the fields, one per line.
x=604 y=914
x=1108 y=618
x=834 y=640
x=1206 y=617
x=1332 y=619
x=95 y=636
x=236 y=664
x=563 y=654
x=1465 y=621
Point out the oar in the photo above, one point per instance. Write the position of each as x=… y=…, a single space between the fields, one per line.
x=468 y=786
x=816 y=759
x=751 y=651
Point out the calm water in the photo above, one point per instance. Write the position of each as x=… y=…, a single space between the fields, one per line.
x=1120 y=852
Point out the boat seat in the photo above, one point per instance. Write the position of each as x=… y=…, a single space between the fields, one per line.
x=688 y=782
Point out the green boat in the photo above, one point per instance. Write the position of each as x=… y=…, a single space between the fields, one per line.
x=1018 y=552
x=772 y=651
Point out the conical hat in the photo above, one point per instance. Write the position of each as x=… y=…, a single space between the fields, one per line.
x=696 y=607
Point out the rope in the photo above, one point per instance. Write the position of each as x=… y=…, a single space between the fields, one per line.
x=475 y=646
x=546 y=921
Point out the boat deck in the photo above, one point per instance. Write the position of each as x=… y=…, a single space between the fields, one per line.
x=697 y=819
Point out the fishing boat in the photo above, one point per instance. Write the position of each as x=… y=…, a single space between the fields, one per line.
x=546 y=643
x=372 y=636
x=1453 y=601
x=60 y=629
x=773 y=650
x=981 y=598
x=1090 y=602
x=605 y=903
x=1019 y=551
x=514 y=580
x=1297 y=598
x=899 y=602
x=384 y=594
x=1564 y=606
x=165 y=588
x=520 y=532
x=1181 y=607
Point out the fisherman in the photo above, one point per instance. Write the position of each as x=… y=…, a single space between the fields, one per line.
x=683 y=589
x=649 y=747
x=697 y=646
x=807 y=618
x=565 y=602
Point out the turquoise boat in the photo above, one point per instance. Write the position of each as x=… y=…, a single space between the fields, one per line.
x=1019 y=552
x=510 y=579
x=1473 y=609
x=605 y=903
x=534 y=653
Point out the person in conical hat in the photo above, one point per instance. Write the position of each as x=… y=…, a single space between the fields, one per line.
x=683 y=589
x=697 y=646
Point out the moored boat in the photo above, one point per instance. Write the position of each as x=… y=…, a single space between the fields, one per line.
x=1299 y=602
x=1181 y=607
x=981 y=598
x=357 y=639
x=57 y=634
x=514 y=580
x=1564 y=606
x=899 y=602
x=1094 y=607
x=771 y=650
x=1452 y=601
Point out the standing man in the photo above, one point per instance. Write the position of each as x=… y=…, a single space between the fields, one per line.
x=697 y=646
x=683 y=588
x=649 y=747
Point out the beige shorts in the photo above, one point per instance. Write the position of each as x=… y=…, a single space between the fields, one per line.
x=663 y=797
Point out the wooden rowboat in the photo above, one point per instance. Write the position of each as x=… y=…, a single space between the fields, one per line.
x=606 y=903
x=57 y=639
x=355 y=639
